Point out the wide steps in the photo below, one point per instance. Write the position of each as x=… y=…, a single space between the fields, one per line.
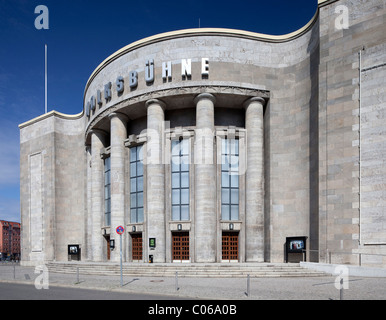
x=219 y=270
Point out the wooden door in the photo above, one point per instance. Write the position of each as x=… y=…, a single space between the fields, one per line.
x=108 y=246
x=230 y=246
x=136 y=245
x=180 y=245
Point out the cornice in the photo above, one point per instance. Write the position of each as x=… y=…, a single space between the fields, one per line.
x=52 y=113
x=201 y=32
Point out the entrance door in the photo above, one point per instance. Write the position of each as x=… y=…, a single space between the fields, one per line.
x=136 y=245
x=108 y=246
x=180 y=245
x=230 y=246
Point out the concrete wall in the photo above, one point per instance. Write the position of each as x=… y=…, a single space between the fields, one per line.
x=52 y=163
x=351 y=224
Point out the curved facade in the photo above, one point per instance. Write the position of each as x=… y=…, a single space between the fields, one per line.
x=204 y=144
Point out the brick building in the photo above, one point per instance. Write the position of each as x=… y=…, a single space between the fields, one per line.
x=214 y=145
x=9 y=240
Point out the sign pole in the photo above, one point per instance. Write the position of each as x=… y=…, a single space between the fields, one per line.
x=120 y=230
x=120 y=253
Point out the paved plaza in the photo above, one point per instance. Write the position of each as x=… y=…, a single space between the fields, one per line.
x=281 y=288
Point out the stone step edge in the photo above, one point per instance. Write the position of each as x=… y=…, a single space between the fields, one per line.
x=187 y=270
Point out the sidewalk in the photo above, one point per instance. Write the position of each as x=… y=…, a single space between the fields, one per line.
x=286 y=288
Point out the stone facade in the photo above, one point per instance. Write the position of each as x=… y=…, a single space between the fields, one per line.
x=351 y=140
x=306 y=110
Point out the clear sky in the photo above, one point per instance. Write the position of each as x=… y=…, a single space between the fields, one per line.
x=81 y=34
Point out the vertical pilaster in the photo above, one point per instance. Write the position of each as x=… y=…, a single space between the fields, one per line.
x=254 y=192
x=205 y=180
x=118 y=133
x=155 y=179
x=97 y=206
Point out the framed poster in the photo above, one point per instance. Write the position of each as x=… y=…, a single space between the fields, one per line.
x=295 y=245
x=73 y=249
x=152 y=243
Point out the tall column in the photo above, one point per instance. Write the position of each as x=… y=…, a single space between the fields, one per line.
x=205 y=180
x=155 y=173
x=254 y=192
x=88 y=218
x=118 y=133
x=97 y=196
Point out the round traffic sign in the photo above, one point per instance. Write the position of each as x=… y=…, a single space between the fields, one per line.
x=120 y=230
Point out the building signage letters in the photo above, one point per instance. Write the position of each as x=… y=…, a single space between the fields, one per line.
x=119 y=85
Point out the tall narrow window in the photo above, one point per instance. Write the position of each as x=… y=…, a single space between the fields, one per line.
x=180 y=179
x=136 y=184
x=107 y=191
x=230 y=179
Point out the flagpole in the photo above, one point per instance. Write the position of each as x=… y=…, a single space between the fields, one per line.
x=45 y=78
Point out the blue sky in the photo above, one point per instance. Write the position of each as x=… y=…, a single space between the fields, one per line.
x=81 y=34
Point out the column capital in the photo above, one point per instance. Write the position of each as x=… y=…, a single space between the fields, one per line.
x=119 y=115
x=99 y=132
x=155 y=101
x=253 y=99
x=204 y=95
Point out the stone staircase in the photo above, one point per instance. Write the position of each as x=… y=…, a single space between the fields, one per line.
x=199 y=270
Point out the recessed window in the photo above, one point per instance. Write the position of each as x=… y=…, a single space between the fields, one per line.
x=180 y=179
x=136 y=184
x=107 y=170
x=229 y=179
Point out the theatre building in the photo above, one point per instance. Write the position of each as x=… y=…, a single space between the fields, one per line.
x=218 y=145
